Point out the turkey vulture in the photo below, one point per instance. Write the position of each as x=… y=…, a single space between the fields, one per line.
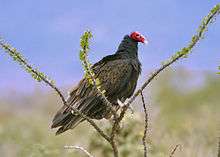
x=118 y=75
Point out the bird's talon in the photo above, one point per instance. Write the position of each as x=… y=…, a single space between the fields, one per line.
x=74 y=113
x=121 y=104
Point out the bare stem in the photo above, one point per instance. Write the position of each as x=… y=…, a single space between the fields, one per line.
x=145 y=126
x=79 y=148
x=174 y=150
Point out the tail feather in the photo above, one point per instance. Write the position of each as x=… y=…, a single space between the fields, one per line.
x=71 y=125
x=61 y=119
x=65 y=121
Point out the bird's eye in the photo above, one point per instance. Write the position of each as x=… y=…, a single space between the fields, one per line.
x=137 y=35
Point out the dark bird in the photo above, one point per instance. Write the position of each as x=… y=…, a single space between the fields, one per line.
x=118 y=75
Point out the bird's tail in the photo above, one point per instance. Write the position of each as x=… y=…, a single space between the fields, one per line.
x=65 y=121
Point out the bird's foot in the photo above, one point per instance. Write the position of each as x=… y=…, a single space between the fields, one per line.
x=121 y=105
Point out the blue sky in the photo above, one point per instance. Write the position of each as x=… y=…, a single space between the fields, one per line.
x=48 y=32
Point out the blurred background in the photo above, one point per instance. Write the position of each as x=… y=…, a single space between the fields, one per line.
x=183 y=102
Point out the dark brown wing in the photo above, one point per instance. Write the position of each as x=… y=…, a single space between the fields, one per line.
x=114 y=76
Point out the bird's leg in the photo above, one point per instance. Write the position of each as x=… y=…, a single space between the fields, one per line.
x=120 y=103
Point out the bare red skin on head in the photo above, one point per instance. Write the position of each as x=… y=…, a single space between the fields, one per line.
x=137 y=37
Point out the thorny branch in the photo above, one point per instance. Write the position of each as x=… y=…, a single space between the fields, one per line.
x=145 y=126
x=41 y=77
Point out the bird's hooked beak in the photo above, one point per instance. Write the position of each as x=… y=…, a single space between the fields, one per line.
x=144 y=40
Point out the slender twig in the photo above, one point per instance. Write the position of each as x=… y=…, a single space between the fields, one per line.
x=145 y=126
x=79 y=148
x=97 y=128
x=174 y=150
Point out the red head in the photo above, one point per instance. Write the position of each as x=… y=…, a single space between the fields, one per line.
x=138 y=37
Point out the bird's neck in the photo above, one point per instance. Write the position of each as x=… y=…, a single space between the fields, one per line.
x=128 y=48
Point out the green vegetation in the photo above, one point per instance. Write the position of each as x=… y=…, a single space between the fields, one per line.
x=179 y=114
